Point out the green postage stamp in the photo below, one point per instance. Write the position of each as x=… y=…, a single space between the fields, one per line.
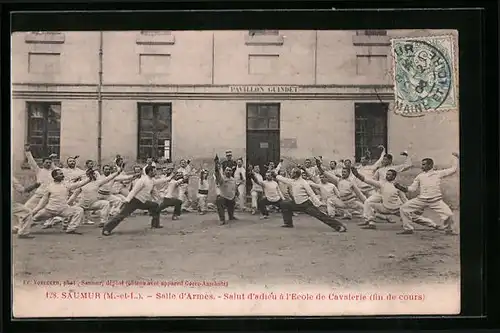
x=425 y=74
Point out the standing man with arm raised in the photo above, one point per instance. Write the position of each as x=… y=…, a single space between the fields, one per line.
x=42 y=174
x=226 y=192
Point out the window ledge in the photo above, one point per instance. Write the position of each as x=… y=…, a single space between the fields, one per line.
x=264 y=40
x=45 y=38
x=363 y=40
x=155 y=40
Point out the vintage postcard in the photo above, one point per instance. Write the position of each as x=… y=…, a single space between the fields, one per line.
x=235 y=173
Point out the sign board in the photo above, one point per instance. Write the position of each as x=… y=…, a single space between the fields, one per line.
x=264 y=145
x=264 y=89
x=288 y=143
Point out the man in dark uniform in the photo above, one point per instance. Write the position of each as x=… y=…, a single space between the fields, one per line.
x=229 y=162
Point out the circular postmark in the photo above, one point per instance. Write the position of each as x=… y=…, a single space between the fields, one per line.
x=423 y=76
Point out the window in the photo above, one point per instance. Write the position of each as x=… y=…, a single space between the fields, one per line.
x=370 y=129
x=263 y=116
x=155 y=131
x=44 y=128
x=263 y=32
x=262 y=63
x=371 y=32
x=44 y=63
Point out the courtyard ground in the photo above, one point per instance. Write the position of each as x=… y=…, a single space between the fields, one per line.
x=249 y=251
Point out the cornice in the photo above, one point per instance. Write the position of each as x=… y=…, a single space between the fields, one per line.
x=44 y=91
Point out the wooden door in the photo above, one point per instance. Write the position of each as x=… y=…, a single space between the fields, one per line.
x=263 y=135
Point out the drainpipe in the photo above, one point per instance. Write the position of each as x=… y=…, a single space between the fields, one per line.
x=99 y=103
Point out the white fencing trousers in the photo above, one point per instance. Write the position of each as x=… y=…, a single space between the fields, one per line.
x=256 y=195
x=184 y=196
x=372 y=209
x=34 y=200
x=116 y=201
x=24 y=219
x=353 y=204
x=375 y=197
x=73 y=213
x=412 y=209
x=242 y=196
x=332 y=204
x=202 y=202
x=101 y=206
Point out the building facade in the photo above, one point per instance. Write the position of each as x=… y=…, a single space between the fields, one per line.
x=192 y=94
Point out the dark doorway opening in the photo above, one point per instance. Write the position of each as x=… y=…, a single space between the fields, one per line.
x=263 y=135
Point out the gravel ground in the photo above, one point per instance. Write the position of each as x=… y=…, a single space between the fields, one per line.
x=249 y=251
